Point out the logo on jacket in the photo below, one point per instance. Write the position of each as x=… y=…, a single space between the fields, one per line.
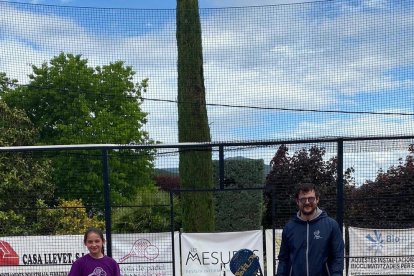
x=376 y=242
x=317 y=235
x=7 y=254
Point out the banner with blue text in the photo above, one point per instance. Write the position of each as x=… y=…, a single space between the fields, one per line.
x=381 y=251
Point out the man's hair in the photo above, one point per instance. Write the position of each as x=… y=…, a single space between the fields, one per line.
x=306 y=187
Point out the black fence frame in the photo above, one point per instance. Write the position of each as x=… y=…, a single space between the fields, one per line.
x=105 y=148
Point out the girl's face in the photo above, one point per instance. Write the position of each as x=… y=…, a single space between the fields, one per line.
x=94 y=244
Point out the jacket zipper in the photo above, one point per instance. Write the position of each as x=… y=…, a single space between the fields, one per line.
x=327 y=269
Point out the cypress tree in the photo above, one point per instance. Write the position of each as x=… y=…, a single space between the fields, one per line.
x=195 y=165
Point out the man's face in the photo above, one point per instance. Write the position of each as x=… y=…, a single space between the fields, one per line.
x=307 y=202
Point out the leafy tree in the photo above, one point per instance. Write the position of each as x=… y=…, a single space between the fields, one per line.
x=240 y=210
x=6 y=84
x=306 y=165
x=24 y=177
x=68 y=217
x=385 y=202
x=195 y=166
x=73 y=103
x=148 y=212
x=12 y=223
x=167 y=182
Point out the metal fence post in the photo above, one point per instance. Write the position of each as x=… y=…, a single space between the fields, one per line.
x=108 y=224
x=273 y=195
x=172 y=230
x=221 y=166
x=340 y=185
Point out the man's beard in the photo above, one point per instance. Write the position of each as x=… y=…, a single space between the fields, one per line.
x=307 y=213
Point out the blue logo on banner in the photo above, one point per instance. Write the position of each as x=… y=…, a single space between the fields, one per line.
x=376 y=241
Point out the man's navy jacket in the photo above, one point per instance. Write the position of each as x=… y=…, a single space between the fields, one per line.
x=311 y=248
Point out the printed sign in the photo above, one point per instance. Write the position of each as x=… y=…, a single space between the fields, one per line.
x=137 y=254
x=7 y=254
x=144 y=254
x=206 y=254
x=381 y=252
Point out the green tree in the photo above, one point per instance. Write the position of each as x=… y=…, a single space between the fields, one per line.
x=148 y=212
x=240 y=173
x=24 y=177
x=73 y=103
x=6 y=84
x=195 y=166
x=68 y=217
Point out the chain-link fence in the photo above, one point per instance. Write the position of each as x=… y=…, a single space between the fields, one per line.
x=277 y=79
x=303 y=71
x=60 y=191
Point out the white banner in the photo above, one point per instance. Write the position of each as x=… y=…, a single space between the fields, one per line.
x=49 y=255
x=144 y=254
x=203 y=253
x=381 y=252
x=53 y=255
x=269 y=252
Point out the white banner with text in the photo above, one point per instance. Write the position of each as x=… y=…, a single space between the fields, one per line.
x=203 y=253
x=381 y=251
x=137 y=254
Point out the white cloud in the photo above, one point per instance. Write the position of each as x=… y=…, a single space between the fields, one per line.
x=292 y=58
x=358 y=125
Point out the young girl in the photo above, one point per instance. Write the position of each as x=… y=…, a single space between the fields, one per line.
x=95 y=263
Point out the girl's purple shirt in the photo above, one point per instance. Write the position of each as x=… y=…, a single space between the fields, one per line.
x=88 y=266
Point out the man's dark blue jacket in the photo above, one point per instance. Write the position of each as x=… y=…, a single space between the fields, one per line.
x=311 y=248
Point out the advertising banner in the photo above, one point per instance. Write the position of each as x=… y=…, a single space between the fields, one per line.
x=144 y=254
x=39 y=255
x=203 y=254
x=137 y=254
x=270 y=262
x=381 y=251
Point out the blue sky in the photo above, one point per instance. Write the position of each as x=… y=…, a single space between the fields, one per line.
x=349 y=55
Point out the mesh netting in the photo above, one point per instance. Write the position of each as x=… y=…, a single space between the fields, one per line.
x=329 y=68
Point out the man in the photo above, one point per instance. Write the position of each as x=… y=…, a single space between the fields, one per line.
x=312 y=243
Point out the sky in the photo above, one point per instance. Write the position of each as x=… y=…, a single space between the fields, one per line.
x=307 y=65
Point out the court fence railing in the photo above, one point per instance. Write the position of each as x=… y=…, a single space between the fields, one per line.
x=366 y=183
